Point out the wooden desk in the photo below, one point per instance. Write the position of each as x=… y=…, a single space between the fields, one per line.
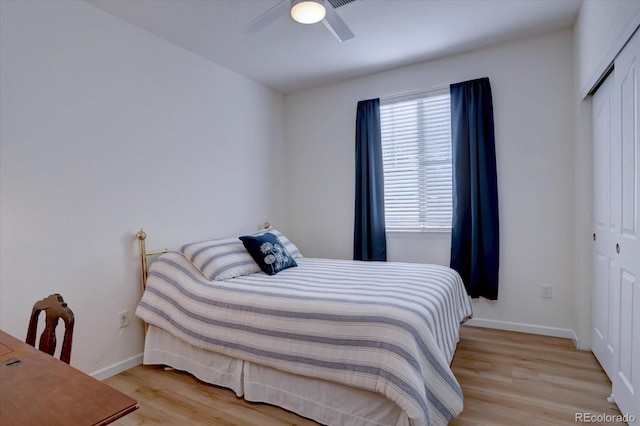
x=41 y=389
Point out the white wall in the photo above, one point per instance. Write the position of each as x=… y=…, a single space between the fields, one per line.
x=600 y=26
x=532 y=84
x=106 y=128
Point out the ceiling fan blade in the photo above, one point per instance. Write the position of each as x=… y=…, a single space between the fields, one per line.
x=335 y=24
x=266 y=18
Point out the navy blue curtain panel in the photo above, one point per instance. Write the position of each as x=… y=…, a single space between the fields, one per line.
x=474 y=230
x=369 y=238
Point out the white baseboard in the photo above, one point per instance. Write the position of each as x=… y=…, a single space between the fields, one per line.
x=119 y=367
x=525 y=328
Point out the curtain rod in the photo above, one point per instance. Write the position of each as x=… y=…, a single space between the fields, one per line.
x=407 y=94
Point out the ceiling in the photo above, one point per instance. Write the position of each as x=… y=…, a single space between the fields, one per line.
x=288 y=56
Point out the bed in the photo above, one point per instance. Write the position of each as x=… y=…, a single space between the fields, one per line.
x=337 y=341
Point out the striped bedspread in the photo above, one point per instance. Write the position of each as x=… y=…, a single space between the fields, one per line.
x=390 y=328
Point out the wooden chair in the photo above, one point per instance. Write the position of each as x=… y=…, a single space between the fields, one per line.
x=55 y=308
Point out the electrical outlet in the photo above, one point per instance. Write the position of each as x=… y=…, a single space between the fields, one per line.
x=546 y=292
x=123 y=317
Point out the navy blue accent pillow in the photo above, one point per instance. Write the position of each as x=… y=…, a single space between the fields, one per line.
x=268 y=252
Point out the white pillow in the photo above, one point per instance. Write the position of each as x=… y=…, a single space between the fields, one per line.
x=220 y=259
x=227 y=258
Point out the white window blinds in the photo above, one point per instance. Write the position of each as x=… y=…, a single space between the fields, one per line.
x=416 y=152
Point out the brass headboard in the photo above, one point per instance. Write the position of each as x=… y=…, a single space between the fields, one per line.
x=141 y=236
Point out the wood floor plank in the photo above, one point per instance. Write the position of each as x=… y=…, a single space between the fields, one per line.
x=507 y=378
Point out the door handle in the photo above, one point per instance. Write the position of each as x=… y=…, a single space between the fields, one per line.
x=618 y=248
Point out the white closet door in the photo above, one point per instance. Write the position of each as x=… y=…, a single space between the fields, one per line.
x=626 y=379
x=605 y=229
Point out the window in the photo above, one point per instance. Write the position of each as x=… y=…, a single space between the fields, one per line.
x=416 y=154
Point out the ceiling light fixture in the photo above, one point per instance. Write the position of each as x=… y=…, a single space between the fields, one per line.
x=307 y=11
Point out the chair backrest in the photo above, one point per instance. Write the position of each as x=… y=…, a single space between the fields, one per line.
x=55 y=308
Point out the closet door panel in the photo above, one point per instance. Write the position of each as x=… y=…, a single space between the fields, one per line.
x=628 y=297
x=602 y=102
x=600 y=315
x=629 y=175
x=626 y=380
x=613 y=299
x=604 y=229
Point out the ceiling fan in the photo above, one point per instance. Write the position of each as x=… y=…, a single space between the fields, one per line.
x=305 y=12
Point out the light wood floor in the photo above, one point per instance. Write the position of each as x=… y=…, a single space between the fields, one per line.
x=507 y=379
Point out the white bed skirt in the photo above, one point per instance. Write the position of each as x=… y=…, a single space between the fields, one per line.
x=325 y=402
